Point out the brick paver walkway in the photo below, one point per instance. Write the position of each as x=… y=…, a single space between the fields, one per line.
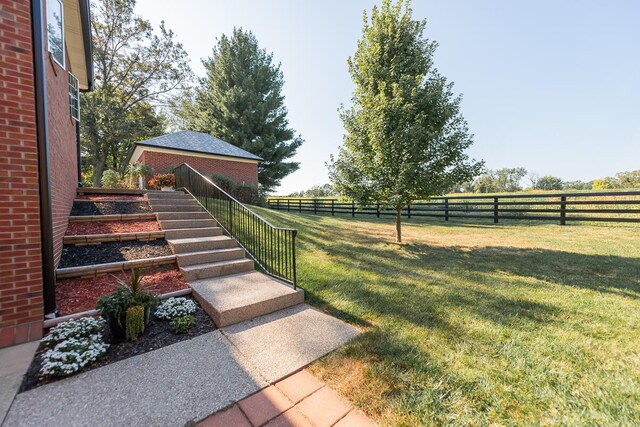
x=299 y=400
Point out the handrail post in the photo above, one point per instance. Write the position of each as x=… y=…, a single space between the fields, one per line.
x=446 y=209
x=563 y=210
x=495 y=210
x=293 y=259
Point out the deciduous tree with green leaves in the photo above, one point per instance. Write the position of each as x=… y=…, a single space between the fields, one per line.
x=135 y=67
x=240 y=101
x=405 y=136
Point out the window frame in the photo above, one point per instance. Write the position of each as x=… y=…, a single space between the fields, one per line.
x=74 y=96
x=64 y=49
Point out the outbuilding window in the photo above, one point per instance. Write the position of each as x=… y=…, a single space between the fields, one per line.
x=74 y=97
x=55 y=30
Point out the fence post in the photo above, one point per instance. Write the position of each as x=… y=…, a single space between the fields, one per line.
x=563 y=210
x=315 y=206
x=495 y=210
x=446 y=209
x=353 y=209
x=333 y=202
x=288 y=205
x=299 y=205
x=278 y=203
x=408 y=211
x=378 y=210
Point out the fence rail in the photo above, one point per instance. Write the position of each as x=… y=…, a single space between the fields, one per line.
x=272 y=248
x=620 y=206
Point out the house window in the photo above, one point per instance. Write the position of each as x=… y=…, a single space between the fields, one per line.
x=55 y=30
x=74 y=97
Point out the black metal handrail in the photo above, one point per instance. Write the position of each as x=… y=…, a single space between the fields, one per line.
x=272 y=248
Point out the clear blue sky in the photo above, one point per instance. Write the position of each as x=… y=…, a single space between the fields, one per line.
x=553 y=86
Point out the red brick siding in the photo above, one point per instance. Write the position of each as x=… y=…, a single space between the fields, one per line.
x=63 y=152
x=21 y=305
x=239 y=172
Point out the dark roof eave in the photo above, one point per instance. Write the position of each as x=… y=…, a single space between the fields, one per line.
x=85 y=16
x=258 y=159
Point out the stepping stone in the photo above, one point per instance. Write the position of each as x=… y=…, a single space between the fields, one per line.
x=233 y=299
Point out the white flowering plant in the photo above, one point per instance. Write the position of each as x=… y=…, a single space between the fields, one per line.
x=175 y=307
x=79 y=328
x=71 y=355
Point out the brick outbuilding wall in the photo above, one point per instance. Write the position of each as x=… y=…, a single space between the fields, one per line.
x=21 y=304
x=239 y=172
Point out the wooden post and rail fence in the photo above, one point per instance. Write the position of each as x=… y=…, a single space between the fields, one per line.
x=610 y=206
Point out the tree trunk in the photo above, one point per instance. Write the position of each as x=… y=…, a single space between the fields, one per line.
x=399 y=225
x=98 y=169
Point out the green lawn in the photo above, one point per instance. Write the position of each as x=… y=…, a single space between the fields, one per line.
x=476 y=324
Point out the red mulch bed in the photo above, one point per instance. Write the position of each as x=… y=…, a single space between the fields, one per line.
x=111 y=227
x=76 y=295
x=110 y=197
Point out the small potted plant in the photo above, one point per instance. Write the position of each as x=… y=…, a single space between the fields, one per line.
x=165 y=181
x=127 y=310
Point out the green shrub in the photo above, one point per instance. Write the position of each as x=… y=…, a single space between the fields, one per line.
x=182 y=325
x=111 y=179
x=242 y=192
x=125 y=300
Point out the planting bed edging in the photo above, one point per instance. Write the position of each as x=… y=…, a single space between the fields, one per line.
x=130 y=200
x=109 y=218
x=48 y=323
x=92 y=239
x=98 y=190
x=95 y=269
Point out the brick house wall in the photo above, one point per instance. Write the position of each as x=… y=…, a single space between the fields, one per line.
x=63 y=152
x=238 y=171
x=21 y=283
x=21 y=302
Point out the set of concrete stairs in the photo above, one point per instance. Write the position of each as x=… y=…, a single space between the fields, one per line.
x=222 y=277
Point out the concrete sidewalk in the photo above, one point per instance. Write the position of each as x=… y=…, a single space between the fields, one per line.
x=189 y=380
x=14 y=362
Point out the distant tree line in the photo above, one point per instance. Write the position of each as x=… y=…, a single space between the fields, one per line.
x=508 y=180
x=324 y=190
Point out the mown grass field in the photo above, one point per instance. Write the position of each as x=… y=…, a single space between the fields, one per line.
x=478 y=324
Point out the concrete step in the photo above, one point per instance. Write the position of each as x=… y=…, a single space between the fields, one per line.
x=199 y=244
x=183 y=215
x=208 y=257
x=233 y=299
x=172 y=224
x=216 y=269
x=187 y=233
x=168 y=195
x=179 y=201
x=190 y=207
